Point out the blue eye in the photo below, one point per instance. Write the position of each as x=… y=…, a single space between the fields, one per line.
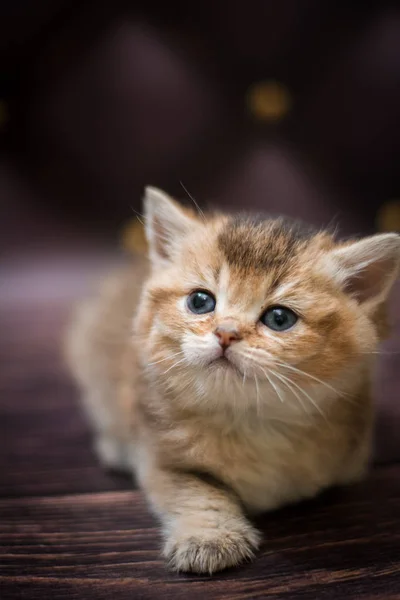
x=201 y=303
x=279 y=318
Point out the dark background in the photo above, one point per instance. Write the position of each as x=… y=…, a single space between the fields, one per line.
x=105 y=97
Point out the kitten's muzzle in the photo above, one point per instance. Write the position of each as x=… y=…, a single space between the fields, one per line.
x=227 y=334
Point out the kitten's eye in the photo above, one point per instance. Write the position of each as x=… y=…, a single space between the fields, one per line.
x=279 y=318
x=201 y=302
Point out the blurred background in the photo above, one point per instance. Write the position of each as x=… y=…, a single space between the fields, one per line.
x=290 y=107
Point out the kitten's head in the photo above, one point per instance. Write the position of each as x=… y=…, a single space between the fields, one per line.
x=248 y=313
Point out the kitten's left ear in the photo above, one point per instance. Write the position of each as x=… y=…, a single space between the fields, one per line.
x=167 y=223
x=367 y=269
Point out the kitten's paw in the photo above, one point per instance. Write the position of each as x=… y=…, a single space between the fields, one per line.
x=207 y=549
x=113 y=454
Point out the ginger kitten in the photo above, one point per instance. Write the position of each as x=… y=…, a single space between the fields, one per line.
x=232 y=373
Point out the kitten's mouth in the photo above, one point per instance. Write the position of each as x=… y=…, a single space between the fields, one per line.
x=224 y=363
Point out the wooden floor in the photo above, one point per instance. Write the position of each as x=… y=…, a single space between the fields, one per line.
x=69 y=530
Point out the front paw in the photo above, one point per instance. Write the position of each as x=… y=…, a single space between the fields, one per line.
x=114 y=454
x=207 y=548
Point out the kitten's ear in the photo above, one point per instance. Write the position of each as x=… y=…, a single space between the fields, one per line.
x=166 y=225
x=367 y=269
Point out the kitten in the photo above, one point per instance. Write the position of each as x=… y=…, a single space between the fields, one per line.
x=245 y=384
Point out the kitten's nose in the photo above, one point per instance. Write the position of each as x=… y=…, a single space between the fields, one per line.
x=227 y=334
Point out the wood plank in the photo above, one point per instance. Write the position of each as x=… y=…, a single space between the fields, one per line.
x=46 y=443
x=106 y=545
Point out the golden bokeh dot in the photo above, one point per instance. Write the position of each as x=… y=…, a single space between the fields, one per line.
x=133 y=237
x=388 y=217
x=268 y=101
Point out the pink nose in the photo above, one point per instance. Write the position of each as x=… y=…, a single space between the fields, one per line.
x=227 y=334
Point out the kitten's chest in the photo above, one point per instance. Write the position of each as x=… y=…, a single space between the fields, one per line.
x=266 y=466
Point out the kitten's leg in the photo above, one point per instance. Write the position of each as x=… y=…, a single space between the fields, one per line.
x=98 y=351
x=112 y=443
x=114 y=454
x=204 y=527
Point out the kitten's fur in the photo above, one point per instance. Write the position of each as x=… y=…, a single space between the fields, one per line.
x=211 y=443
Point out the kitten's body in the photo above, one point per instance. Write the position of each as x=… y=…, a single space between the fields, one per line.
x=279 y=419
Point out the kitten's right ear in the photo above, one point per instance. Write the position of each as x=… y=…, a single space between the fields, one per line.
x=367 y=268
x=166 y=225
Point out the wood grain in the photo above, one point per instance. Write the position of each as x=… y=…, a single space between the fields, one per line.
x=68 y=530
x=106 y=545
x=46 y=444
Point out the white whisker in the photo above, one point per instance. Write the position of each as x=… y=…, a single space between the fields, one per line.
x=300 y=372
x=141 y=218
x=307 y=396
x=151 y=364
x=173 y=366
x=289 y=384
x=273 y=385
x=286 y=365
x=383 y=352
x=258 y=395
x=194 y=202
